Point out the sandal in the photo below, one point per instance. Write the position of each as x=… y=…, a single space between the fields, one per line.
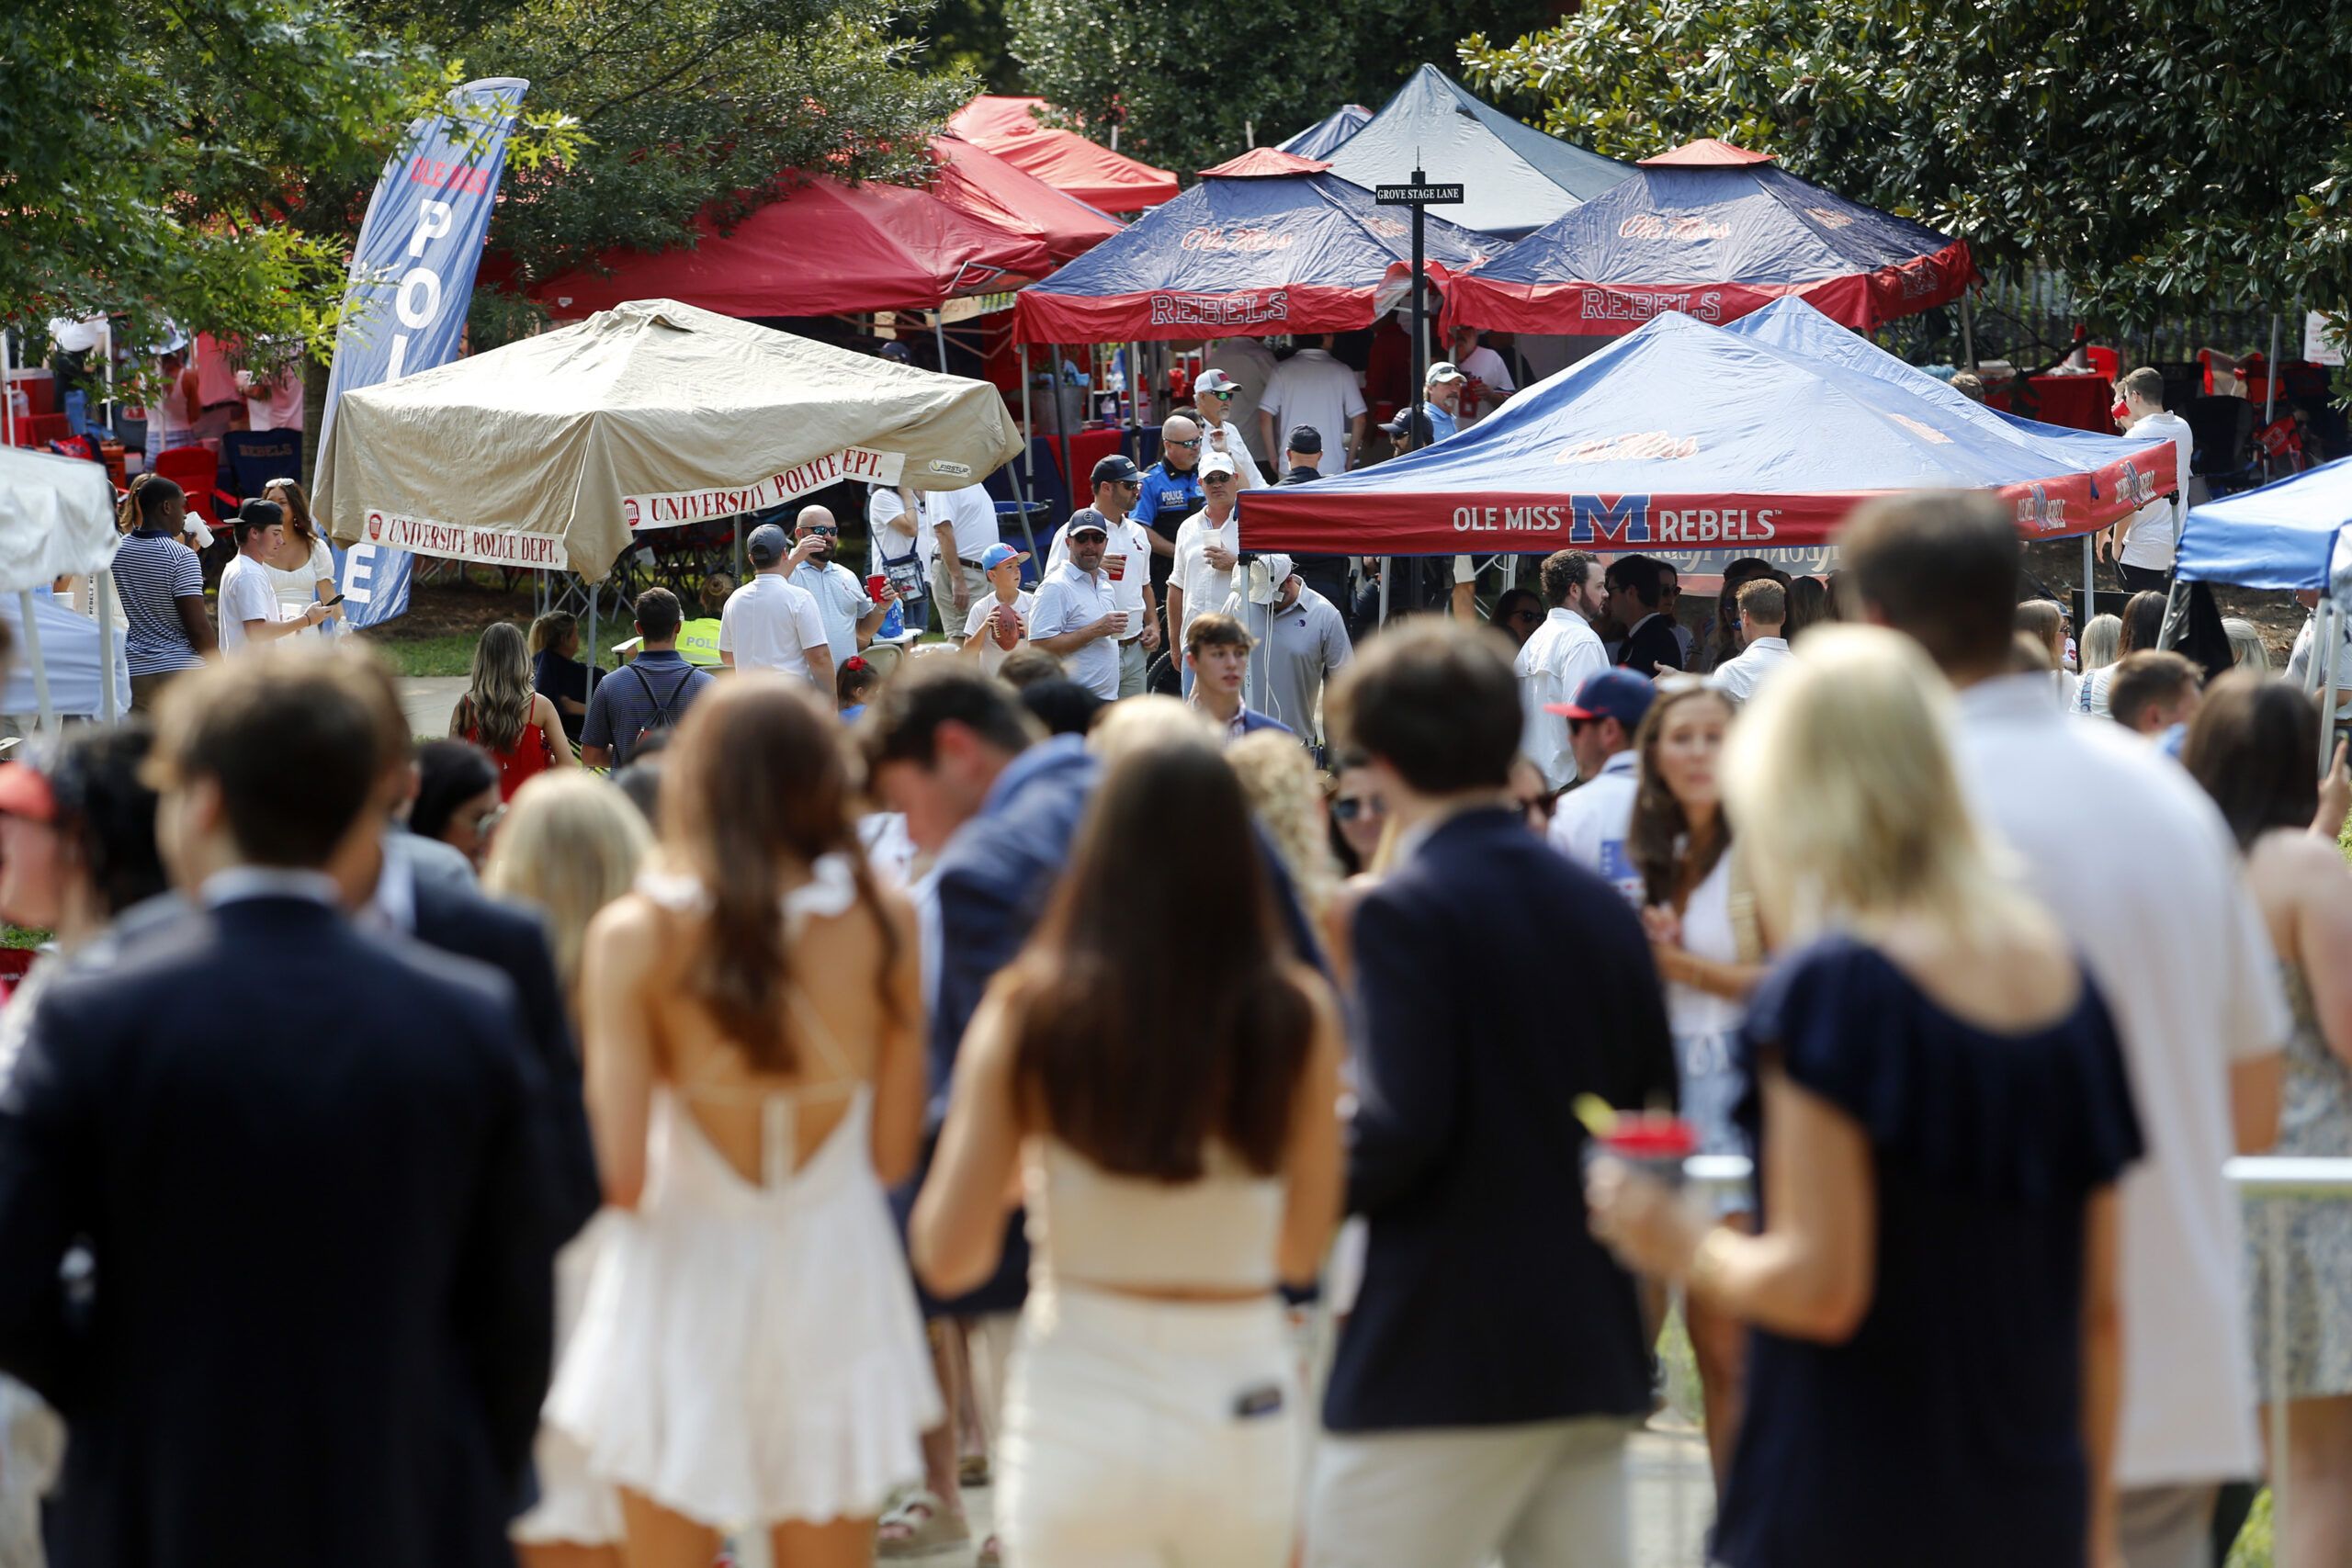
x=920 y=1526
x=992 y=1555
x=972 y=1469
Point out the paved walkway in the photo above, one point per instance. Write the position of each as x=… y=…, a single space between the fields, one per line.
x=427 y=700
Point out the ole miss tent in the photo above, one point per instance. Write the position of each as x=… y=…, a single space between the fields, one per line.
x=1514 y=177
x=981 y=183
x=818 y=249
x=1715 y=231
x=1063 y=159
x=1689 y=436
x=1323 y=138
x=1292 y=249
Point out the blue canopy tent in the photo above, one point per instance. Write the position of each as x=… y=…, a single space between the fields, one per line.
x=1323 y=138
x=1515 y=179
x=2293 y=535
x=1684 y=435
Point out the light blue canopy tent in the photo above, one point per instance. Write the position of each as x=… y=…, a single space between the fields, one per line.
x=2293 y=534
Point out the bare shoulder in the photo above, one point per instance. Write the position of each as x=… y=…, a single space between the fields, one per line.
x=627 y=936
x=2298 y=867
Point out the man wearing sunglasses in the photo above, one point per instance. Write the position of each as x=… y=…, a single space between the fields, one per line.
x=850 y=614
x=1125 y=565
x=1171 y=493
x=1218 y=394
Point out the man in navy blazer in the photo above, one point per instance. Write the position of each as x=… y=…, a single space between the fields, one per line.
x=311 y=1171
x=1494 y=1363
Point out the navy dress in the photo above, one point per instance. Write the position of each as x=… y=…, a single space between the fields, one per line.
x=1947 y=1433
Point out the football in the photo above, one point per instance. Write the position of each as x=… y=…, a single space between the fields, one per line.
x=1007 y=620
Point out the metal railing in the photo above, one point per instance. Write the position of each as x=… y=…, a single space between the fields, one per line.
x=2267 y=1181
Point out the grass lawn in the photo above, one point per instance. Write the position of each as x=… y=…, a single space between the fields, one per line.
x=443 y=653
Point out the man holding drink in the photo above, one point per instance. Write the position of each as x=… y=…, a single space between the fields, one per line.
x=1126 y=568
x=1078 y=616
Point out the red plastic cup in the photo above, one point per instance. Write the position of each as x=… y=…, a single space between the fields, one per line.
x=874 y=587
x=1654 y=1145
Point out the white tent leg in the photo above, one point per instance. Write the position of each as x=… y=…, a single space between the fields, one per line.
x=939 y=336
x=2270 y=389
x=1387 y=569
x=1028 y=430
x=2329 y=624
x=40 y=668
x=2176 y=610
x=107 y=708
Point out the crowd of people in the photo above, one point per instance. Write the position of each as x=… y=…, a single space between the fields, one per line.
x=1112 y=1049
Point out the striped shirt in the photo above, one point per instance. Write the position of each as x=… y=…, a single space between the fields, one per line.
x=151 y=571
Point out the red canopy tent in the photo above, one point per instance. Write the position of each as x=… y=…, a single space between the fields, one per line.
x=979 y=182
x=1063 y=159
x=820 y=248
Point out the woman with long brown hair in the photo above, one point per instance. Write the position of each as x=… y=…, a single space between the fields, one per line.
x=1160 y=1072
x=505 y=716
x=304 y=574
x=749 y=1356
x=1704 y=934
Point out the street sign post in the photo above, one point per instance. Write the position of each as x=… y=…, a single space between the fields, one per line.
x=1419 y=195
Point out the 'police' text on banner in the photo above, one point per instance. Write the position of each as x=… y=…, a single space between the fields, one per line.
x=411 y=278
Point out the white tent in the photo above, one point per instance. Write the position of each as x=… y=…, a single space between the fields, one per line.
x=56 y=520
x=554 y=451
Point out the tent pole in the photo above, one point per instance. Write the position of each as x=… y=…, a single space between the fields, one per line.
x=1387 y=568
x=592 y=638
x=107 y=708
x=2176 y=610
x=2090 y=588
x=939 y=336
x=2270 y=389
x=1028 y=428
x=2331 y=620
x=8 y=383
x=1061 y=428
x=1967 y=336
x=40 y=667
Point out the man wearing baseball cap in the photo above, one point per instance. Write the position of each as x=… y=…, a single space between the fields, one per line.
x=1221 y=432
x=773 y=623
x=999 y=620
x=1251 y=365
x=1590 y=822
x=1125 y=565
x=1076 y=617
x=1206 y=548
x=1441 y=398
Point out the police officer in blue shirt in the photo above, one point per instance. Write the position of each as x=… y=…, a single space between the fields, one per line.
x=1171 y=493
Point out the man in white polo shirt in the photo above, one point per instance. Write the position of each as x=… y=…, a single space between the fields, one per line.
x=963 y=526
x=849 y=612
x=772 y=623
x=1076 y=617
x=1221 y=433
x=2140 y=868
x=1205 y=547
x=1763 y=611
x=1126 y=564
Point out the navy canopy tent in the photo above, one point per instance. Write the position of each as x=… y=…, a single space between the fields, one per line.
x=1323 y=138
x=1264 y=244
x=1715 y=231
x=1514 y=177
x=1689 y=436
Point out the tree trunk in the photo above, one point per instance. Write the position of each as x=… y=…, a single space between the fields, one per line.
x=314 y=414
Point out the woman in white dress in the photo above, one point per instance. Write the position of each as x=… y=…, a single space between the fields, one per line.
x=1703 y=932
x=749 y=1356
x=305 y=573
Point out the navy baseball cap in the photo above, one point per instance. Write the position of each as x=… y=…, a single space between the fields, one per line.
x=767 y=545
x=1086 y=520
x=1622 y=694
x=1305 y=440
x=1117 y=468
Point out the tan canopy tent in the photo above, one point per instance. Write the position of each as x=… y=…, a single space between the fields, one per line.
x=549 y=453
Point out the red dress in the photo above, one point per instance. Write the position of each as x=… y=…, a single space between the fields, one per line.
x=529 y=756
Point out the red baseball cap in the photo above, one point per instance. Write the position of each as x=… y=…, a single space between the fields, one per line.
x=24 y=792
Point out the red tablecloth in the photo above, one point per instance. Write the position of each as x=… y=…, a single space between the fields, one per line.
x=2080 y=402
x=1088 y=448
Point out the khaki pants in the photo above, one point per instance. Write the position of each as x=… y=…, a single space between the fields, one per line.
x=1134 y=665
x=146 y=689
x=944 y=576
x=1545 y=1494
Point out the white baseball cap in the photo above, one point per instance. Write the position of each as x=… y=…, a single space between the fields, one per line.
x=1214 y=382
x=1218 y=463
x=1444 y=370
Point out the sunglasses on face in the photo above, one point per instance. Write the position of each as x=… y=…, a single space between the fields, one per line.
x=1348 y=807
x=826 y=530
x=1183 y=444
x=1524 y=615
x=1226 y=393
x=1131 y=484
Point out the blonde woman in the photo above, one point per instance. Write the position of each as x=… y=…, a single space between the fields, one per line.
x=304 y=574
x=570 y=845
x=1285 y=795
x=503 y=714
x=1941 y=1109
x=2102 y=646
